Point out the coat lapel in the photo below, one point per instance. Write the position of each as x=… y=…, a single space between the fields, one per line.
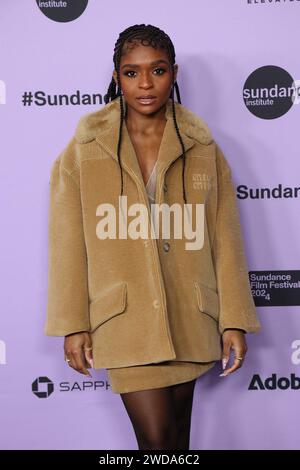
x=170 y=148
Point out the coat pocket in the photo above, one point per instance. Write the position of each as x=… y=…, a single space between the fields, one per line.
x=108 y=304
x=208 y=300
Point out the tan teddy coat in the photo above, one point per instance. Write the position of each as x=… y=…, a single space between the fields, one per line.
x=121 y=290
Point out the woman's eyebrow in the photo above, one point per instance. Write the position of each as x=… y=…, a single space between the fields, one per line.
x=155 y=62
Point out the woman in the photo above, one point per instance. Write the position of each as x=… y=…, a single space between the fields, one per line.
x=151 y=311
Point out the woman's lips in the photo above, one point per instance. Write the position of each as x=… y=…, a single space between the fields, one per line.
x=146 y=100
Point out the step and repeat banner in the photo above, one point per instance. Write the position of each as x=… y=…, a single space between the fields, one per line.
x=239 y=70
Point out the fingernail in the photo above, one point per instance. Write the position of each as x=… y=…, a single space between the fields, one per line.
x=92 y=363
x=222 y=375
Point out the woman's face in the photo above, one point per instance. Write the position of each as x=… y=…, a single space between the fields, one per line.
x=145 y=72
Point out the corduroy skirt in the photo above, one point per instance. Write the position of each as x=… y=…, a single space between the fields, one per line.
x=149 y=376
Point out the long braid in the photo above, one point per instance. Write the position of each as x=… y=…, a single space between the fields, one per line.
x=121 y=126
x=147 y=35
x=181 y=143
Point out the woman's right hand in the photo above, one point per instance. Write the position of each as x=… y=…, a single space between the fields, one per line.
x=79 y=352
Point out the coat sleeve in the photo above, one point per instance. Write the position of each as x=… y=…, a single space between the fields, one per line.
x=67 y=305
x=236 y=304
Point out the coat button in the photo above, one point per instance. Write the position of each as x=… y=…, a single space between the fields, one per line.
x=156 y=304
x=165 y=187
x=166 y=246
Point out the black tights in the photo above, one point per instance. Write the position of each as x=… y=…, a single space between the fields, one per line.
x=161 y=417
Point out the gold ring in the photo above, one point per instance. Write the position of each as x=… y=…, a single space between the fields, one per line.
x=87 y=349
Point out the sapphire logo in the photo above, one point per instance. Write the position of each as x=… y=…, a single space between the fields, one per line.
x=62 y=10
x=270 y=91
x=42 y=387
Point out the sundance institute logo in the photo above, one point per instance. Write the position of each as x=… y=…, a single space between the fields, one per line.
x=270 y=92
x=138 y=227
x=62 y=10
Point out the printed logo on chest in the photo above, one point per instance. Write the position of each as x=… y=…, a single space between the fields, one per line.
x=201 y=181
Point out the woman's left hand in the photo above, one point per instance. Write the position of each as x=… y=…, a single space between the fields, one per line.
x=233 y=339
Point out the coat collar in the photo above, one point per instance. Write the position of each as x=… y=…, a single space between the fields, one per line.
x=103 y=126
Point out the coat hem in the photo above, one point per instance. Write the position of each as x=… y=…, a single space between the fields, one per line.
x=105 y=365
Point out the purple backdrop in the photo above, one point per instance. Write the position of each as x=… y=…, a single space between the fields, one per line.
x=46 y=405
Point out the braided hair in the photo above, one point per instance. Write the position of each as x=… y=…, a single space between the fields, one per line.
x=148 y=35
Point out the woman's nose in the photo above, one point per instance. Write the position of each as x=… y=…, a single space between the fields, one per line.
x=145 y=81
